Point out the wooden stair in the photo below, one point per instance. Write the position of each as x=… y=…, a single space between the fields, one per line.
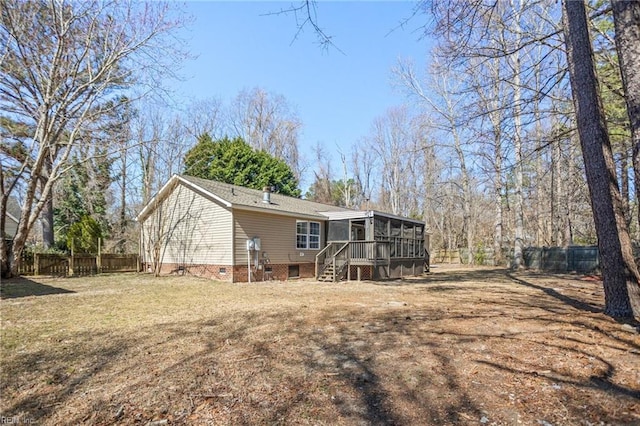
x=327 y=274
x=334 y=260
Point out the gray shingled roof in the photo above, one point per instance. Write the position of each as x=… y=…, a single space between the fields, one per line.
x=252 y=199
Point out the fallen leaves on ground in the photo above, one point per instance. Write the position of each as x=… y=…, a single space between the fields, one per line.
x=457 y=346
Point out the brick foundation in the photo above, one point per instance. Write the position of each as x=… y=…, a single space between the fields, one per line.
x=216 y=272
x=236 y=274
x=307 y=270
x=278 y=272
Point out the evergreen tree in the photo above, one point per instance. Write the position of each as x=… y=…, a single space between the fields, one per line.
x=83 y=192
x=83 y=235
x=234 y=161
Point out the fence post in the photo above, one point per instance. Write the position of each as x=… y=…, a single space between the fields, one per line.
x=99 y=258
x=36 y=264
x=71 y=260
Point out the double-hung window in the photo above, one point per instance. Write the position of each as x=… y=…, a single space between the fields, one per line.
x=307 y=235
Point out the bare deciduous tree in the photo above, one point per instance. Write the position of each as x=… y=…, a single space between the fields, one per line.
x=447 y=111
x=364 y=163
x=267 y=122
x=63 y=64
x=320 y=190
x=205 y=116
x=393 y=138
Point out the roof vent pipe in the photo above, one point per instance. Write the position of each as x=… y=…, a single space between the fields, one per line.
x=266 y=195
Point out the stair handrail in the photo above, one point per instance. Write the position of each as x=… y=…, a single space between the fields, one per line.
x=320 y=257
x=329 y=251
x=337 y=270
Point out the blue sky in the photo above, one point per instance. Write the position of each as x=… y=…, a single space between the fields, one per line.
x=336 y=95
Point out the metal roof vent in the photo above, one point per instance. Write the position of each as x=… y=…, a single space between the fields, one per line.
x=266 y=195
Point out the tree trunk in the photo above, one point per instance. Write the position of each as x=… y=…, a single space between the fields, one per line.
x=46 y=216
x=518 y=245
x=556 y=196
x=518 y=241
x=620 y=274
x=466 y=195
x=565 y=188
x=122 y=232
x=497 y=224
x=626 y=16
x=46 y=219
x=4 y=246
x=4 y=258
x=541 y=215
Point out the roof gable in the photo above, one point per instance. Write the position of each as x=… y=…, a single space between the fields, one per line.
x=239 y=197
x=243 y=198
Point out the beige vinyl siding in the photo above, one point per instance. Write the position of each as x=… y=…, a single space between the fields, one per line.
x=195 y=230
x=277 y=236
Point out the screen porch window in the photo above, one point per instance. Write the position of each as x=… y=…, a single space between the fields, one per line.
x=307 y=235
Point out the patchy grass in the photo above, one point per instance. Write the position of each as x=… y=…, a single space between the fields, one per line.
x=462 y=346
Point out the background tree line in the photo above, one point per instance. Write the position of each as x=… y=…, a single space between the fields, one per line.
x=87 y=135
x=488 y=153
x=523 y=100
x=110 y=180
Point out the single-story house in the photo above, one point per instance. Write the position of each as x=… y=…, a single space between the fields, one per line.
x=228 y=232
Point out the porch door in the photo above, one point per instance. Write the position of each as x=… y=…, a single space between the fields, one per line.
x=358 y=232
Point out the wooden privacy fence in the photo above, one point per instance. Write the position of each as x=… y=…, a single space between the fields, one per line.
x=119 y=263
x=78 y=264
x=482 y=256
x=445 y=256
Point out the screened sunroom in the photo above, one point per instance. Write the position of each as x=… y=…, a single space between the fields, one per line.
x=372 y=245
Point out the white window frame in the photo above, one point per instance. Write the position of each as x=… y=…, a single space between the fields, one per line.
x=309 y=244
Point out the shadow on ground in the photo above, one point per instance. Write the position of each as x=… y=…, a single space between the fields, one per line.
x=23 y=287
x=465 y=279
x=458 y=276
x=523 y=352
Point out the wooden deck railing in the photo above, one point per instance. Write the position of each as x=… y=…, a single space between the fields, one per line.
x=341 y=254
x=369 y=251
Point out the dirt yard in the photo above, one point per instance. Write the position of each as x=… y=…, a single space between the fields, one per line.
x=461 y=346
